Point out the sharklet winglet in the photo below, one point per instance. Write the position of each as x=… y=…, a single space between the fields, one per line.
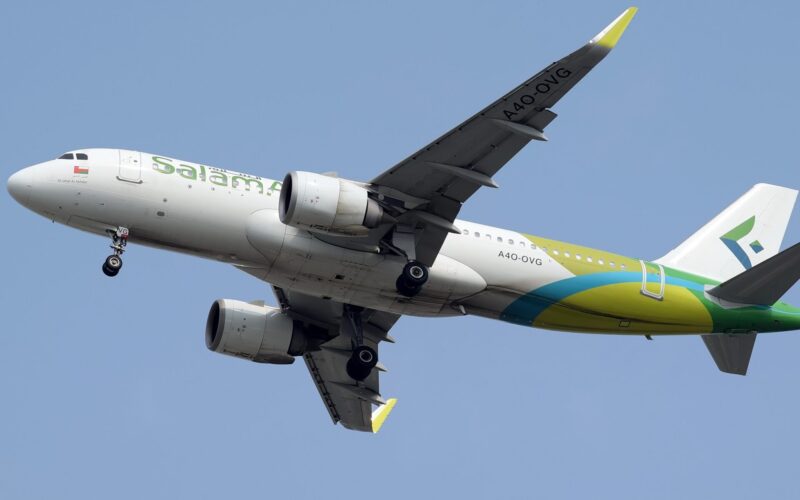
x=609 y=37
x=381 y=413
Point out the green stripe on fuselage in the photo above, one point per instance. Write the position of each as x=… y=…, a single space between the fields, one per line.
x=605 y=298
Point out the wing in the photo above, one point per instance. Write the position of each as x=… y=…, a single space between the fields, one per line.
x=348 y=402
x=427 y=189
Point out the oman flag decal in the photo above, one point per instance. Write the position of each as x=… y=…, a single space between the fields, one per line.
x=79 y=170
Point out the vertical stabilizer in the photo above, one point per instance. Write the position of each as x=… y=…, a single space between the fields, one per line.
x=745 y=234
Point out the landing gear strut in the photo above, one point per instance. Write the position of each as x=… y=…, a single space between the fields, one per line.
x=364 y=358
x=113 y=263
x=410 y=281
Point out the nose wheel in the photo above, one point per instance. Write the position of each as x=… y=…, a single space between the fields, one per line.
x=112 y=265
x=410 y=281
x=113 y=262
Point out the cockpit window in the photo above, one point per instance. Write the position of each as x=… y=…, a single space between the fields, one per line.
x=74 y=156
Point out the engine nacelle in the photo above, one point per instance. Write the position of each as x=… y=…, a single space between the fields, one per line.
x=259 y=333
x=327 y=205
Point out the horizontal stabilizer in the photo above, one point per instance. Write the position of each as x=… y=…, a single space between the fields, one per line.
x=764 y=283
x=731 y=353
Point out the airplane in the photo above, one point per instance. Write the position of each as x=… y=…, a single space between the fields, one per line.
x=347 y=258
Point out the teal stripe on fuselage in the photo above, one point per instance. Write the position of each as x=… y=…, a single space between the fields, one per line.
x=528 y=307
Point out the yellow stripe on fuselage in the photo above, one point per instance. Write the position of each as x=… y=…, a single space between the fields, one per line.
x=621 y=308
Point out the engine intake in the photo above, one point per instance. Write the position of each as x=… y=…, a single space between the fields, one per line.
x=327 y=205
x=259 y=333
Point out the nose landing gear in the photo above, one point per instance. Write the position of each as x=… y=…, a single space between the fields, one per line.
x=410 y=281
x=113 y=263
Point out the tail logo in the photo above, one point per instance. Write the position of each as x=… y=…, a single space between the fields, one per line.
x=732 y=238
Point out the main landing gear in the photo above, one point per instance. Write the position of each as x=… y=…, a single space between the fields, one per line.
x=410 y=281
x=113 y=263
x=364 y=358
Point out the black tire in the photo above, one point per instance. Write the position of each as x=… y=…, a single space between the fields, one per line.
x=415 y=274
x=109 y=272
x=404 y=288
x=361 y=362
x=114 y=263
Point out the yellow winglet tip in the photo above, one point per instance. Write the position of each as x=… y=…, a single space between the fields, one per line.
x=381 y=413
x=609 y=37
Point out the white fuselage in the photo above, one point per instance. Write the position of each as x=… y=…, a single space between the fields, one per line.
x=233 y=218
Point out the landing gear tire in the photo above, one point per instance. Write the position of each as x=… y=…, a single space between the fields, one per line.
x=410 y=281
x=404 y=288
x=361 y=362
x=112 y=265
x=415 y=274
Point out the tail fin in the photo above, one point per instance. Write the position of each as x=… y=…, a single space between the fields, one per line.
x=746 y=233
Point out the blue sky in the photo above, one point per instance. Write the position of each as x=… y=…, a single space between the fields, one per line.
x=107 y=389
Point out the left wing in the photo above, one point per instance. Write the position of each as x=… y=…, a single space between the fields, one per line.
x=348 y=402
x=424 y=192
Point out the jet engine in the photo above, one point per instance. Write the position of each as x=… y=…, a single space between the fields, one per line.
x=256 y=332
x=327 y=205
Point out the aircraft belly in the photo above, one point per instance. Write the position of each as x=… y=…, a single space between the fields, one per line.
x=621 y=308
x=310 y=265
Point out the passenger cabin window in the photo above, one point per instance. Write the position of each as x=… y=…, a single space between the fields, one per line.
x=66 y=156
x=466 y=232
x=81 y=156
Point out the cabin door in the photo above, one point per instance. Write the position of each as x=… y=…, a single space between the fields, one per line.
x=654 y=280
x=130 y=166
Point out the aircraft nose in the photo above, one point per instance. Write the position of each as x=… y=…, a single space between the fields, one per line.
x=20 y=185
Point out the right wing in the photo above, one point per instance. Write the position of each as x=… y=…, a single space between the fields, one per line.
x=348 y=402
